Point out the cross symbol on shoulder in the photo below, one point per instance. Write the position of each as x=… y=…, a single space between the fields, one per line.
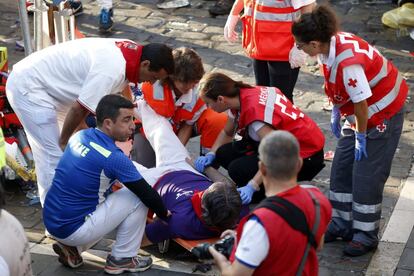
x=381 y=127
x=352 y=82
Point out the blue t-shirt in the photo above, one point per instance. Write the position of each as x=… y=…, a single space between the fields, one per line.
x=89 y=165
x=176 y=189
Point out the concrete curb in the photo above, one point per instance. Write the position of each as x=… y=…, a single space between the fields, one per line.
x=396 y=234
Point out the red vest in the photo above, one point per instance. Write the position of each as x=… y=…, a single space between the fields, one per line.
x=161 y=99
x=389 y=89
x=269 y=105
x=286 y=246
x=132 y=53
x=267 y=28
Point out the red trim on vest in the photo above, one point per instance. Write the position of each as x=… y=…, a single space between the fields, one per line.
x=132 y=54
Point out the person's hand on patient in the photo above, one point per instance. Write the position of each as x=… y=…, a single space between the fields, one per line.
x=246 y=193
x=204 y=161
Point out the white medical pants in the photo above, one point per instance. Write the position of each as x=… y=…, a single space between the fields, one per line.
x=169 y=151
x=42 y=129
x=121 y=210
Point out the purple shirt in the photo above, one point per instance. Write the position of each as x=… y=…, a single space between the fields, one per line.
x=176 y=189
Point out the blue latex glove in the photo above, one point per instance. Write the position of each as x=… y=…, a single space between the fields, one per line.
x=204 y=161
x=360 y=145
x=246 y=193
x=336 y=122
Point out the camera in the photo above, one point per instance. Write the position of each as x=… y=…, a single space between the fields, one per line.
x=224 y=246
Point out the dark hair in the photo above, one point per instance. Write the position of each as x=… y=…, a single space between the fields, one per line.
x=108 y=107
x=188 y=65
x=319 y=25
x=221 y=206
x=160 y=57
x=218 y=84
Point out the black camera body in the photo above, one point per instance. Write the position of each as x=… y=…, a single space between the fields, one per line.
x=224 y=246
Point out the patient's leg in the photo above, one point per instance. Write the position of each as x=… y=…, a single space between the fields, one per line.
x=169 y=151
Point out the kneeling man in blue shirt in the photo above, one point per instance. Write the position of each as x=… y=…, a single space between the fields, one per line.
x=79 y=211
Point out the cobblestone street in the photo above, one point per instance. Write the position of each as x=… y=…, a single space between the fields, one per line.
x=142 y=21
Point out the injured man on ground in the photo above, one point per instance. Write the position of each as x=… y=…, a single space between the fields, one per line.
x=201 y=207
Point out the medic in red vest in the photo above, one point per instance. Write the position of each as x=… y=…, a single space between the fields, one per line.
x=368 y=91
x=254 y=112
x=267 y=242
x=176 y=98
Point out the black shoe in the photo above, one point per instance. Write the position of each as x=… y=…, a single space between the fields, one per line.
x=331 y=237
x=105 y=20
x=355 y=249
x=221 y=7
x=76 y=7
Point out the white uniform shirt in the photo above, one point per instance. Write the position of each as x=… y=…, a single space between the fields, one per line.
x=254 y=245
x=190 y=97
x=355 y=81
x=252 y=129
x=84 y=70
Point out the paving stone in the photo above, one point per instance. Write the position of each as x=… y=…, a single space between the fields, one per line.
x=403 y=272
x=214 y=30
x=140 y=13
x=104 y=245
x=21 y=211
x=148 y=23
x=407 y=259
x=168 y=17
x=197 y=26
x=35 y=237
x=186 y=35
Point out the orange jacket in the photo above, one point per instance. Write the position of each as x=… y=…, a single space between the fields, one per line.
x=267 y=29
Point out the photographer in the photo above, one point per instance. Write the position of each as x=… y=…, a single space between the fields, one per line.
x=266 y=241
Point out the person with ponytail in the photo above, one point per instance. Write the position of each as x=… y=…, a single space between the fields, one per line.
x=368 y=91
x=254 y=112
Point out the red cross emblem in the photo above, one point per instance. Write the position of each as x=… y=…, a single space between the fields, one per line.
x=352 y=82
x=382 y=127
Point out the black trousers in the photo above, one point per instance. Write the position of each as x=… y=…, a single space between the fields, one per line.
x=276 y=74
x=241 y=159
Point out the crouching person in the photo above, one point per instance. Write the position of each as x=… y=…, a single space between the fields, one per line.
x=78 y=209
x=282 y=234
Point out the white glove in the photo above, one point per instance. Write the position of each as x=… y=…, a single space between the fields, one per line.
x=297 y=57
x=229 y=33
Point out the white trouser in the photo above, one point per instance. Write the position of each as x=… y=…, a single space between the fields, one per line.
x=41 y=125
x=169 y=151
x=105 y=4
x=122 y=210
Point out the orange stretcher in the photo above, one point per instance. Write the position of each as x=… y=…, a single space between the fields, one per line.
x=189 y=244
